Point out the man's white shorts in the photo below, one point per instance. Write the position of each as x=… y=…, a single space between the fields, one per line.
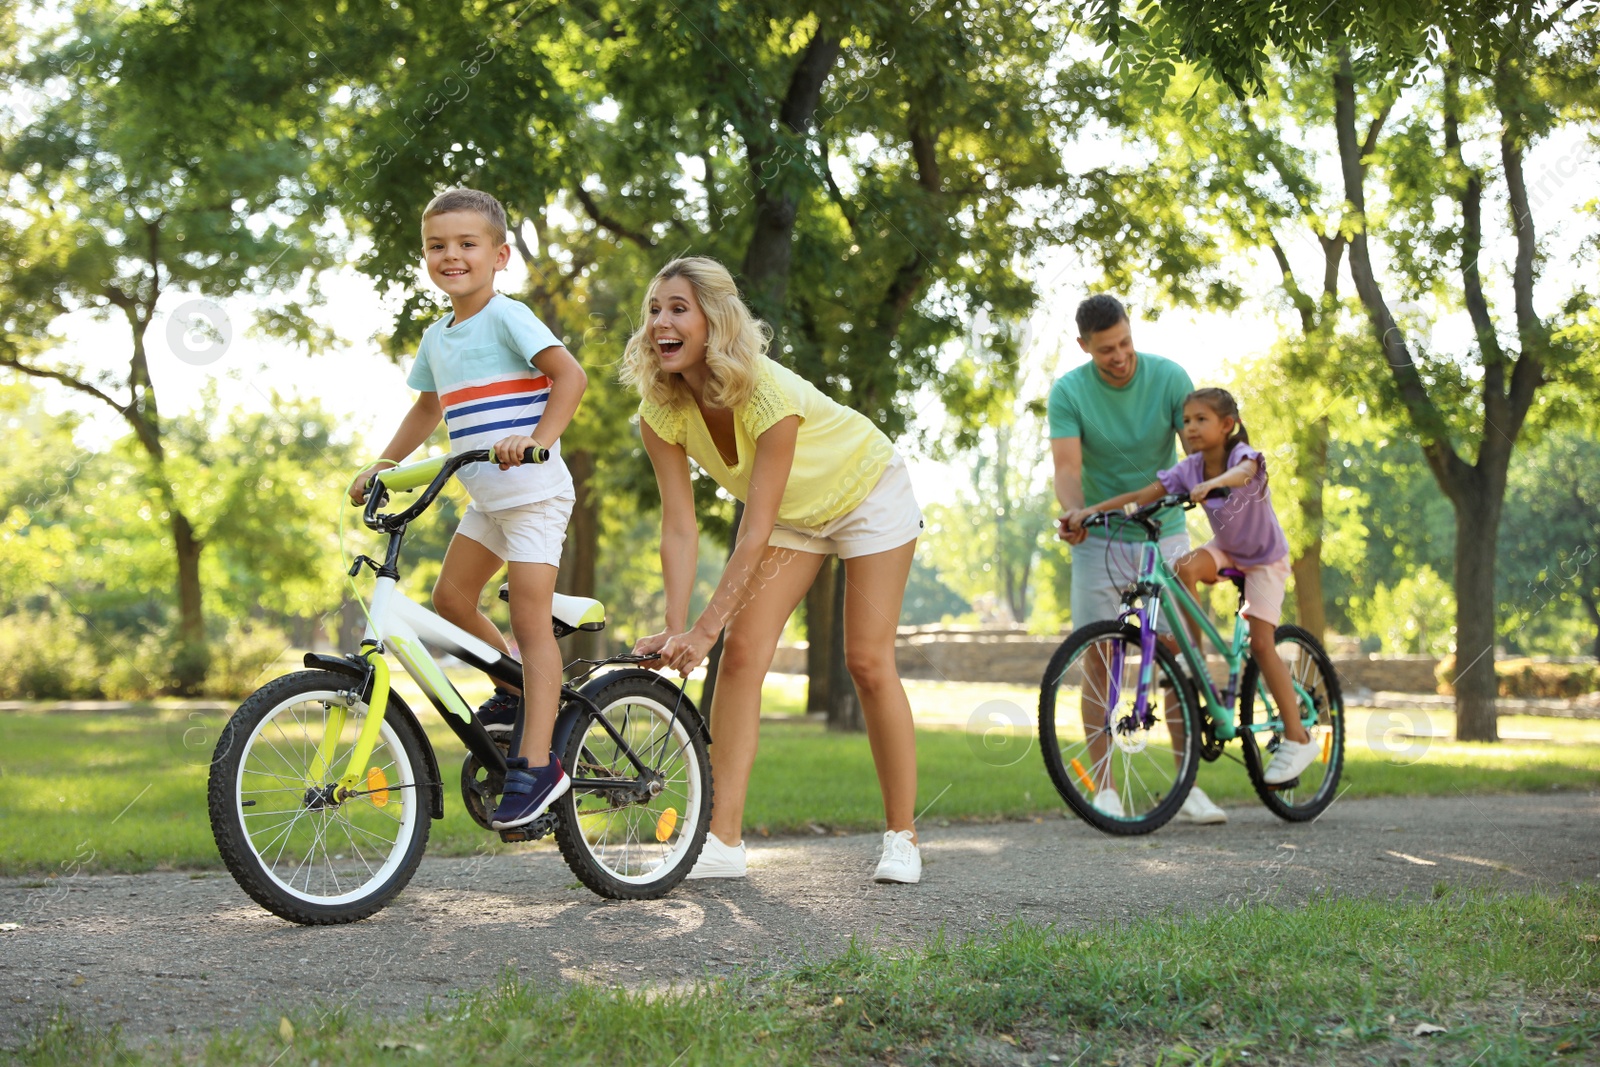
x=1102 y=569
x=888 y=518
x=527 y=533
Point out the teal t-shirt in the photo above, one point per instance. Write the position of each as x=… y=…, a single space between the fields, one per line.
x=1127 y=433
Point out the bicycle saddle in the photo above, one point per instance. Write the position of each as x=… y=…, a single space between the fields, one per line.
x=573 y=612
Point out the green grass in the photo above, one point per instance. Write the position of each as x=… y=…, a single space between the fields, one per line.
x=125 y=791
x=1512 y=980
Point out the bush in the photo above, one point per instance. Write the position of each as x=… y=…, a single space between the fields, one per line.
x=243 y=659
x=137 y=667
x=47 y=656
x=1531 y=680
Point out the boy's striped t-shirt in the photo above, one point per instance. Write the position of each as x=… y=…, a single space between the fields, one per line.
x=489 y=387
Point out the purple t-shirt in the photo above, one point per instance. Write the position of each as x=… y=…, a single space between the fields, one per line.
x=1244 y=525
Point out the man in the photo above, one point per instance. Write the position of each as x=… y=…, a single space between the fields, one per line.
x=1114 y=423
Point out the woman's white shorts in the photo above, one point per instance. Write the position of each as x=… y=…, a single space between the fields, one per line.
x=888 y=518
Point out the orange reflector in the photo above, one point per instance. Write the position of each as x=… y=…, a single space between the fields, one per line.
x=377 y=787
x=1077 y=768
x=666 y=824
x=1327 y=745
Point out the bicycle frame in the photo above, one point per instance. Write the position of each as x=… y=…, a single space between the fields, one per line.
x=399 y=624
x=1155 y=584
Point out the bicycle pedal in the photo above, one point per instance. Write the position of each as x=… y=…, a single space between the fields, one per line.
x=531 y=832
x=1281 y=786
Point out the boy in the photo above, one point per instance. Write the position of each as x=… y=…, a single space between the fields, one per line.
x=500 y=379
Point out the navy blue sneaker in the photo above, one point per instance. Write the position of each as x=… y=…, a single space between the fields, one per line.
x=528 y=792
x=499 y=712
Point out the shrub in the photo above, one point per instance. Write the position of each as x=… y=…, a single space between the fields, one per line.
x=47 y=656
x=1531 y=680
x=244 y=659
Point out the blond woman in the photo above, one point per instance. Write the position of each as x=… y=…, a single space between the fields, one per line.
x=815 y=478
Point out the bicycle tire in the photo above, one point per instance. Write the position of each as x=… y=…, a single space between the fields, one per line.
x=1146 y=808
x=642 y=849
x=280 y=840
x=1311 y=665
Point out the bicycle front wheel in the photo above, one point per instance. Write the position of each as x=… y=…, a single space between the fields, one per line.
x=297 y=847
x=1123 y=770
x=637 y=838
x=1316 y=686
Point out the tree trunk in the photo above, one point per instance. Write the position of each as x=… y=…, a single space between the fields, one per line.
x=578 y=555
x=1312 y=472
x=192 y=658
x=819 y=638
x=1476 y=685
x=1592 y=606
x=844 y=708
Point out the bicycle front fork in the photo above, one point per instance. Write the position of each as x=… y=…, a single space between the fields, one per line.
x=354 y=775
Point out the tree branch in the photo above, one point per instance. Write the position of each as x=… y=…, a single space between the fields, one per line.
x=1470 y=197
x=1297 y=296
x=592 y=209
x=1452 y=471
x=68 y=380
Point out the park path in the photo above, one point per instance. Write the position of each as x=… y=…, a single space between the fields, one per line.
x=188 y=952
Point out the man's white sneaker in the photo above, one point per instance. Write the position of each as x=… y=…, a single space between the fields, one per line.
x=1290 y=760
x=1201 y=809
x=718 y=860
x=1107 y=802
x=902 y=860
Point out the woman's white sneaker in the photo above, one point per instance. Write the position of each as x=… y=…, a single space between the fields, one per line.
x=902 y=860
x=718 y=860
x=1290 y=760
x=1201 y=809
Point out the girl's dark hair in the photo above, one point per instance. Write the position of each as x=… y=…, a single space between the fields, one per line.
x=1225 y=406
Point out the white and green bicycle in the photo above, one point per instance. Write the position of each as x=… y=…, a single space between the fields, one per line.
x=323 y=784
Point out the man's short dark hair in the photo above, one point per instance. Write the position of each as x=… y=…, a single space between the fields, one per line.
x=1100 y=312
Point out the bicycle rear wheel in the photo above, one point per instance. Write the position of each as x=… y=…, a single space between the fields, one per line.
x=1322 y=710
x=639 y=843
x=296 y=848
x=1122 y=772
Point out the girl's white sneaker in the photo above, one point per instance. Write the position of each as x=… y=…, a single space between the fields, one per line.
x=1290 y=760
x=718 y=860
x=902 y=860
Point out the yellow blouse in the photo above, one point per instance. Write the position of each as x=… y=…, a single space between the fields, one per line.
x=838 y=457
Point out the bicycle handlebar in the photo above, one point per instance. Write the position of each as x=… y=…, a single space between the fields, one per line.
x=433 y=473
x=1143 y=516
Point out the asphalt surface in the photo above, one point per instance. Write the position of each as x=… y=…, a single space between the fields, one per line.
x=188 y=953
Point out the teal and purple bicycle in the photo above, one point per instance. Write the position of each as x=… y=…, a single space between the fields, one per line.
x=1124 y=723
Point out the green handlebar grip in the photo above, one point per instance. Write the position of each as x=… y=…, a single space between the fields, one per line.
x=412 y=475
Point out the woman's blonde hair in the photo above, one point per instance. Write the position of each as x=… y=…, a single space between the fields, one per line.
x=736 y=341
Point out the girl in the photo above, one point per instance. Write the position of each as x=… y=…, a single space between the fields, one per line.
x=1246 y=536
x=815 y=478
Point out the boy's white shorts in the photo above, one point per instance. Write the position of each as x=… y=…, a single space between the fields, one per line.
x=527 y=533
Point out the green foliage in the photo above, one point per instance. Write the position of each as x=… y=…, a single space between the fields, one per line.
x=46 y=656
x=1414 y=616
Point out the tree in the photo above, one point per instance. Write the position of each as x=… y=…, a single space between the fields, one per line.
x=144 y=155
x=1552 y=575
x=1483 y=86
